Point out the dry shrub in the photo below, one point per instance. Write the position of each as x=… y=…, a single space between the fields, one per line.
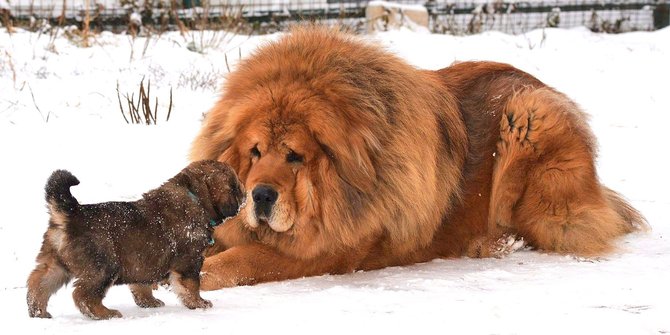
x=140 y=111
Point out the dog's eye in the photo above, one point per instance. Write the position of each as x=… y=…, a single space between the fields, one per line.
x=293 y=157
x=255 y=152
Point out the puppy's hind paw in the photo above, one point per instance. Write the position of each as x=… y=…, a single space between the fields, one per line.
x=39 y=313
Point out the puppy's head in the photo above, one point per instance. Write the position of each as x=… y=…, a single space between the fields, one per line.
x=216 y=186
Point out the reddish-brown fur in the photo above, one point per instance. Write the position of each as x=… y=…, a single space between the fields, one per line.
x=398 y=165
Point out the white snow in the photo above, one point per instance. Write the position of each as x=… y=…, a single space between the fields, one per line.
x=621 y=80
x=136 y=19
x=401 y=6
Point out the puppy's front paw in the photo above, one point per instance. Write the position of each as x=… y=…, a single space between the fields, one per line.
x=198 y=303
x=143 y=296
x=104 y=314
x=150 y=303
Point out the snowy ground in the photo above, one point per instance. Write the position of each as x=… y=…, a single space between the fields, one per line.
x=621 y=80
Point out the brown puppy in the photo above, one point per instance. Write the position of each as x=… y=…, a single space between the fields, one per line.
x=158 y=237
x=355 y=160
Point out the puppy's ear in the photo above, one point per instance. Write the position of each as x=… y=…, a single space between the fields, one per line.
x=231 y=157
x=194 y=180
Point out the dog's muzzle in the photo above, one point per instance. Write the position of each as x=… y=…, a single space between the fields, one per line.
x=264 y=197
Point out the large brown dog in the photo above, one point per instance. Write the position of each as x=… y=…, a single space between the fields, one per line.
x=354 y=160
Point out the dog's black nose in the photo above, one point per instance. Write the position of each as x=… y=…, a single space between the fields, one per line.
x=264 y=198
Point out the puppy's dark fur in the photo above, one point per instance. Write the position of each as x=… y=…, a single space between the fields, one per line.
x=161 y=236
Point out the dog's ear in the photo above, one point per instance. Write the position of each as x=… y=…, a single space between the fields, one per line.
x=231 y=157
x=217 y=132
x=355 y=167
x=193 y=178
x=216 y=138
x=352 y=160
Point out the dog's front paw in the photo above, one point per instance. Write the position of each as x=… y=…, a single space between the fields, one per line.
x=150 y=303
x=198 y=303
x=143 y=296
x=211 y=282
x=214 y=276
x=104 y=314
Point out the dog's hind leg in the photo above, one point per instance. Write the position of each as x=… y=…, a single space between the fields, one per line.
x=88 y=295
x=144 y=297
x=47 y=277
x=545 y=186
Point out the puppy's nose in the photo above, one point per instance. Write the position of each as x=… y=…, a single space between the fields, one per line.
x=229 y=209
x=264 y=198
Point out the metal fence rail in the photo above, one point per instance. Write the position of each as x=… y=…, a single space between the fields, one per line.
x=446 y=16
x=519 y=17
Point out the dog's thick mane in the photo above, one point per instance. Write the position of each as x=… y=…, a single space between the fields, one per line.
x=363 y=133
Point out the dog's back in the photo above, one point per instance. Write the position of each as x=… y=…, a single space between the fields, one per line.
x=69 y=217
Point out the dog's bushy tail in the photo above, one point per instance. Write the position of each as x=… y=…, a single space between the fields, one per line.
x=631 y=219
x=58 y=195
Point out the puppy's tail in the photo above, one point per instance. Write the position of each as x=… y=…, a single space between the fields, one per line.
x=58 y=195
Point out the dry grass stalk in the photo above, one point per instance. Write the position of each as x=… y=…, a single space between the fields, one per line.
x=61 y=19
x=11 y=66
x=182 y=28
x=225 y=56
x=87 y=21
x=141 y=111
x=37 y=107
x=6 y=20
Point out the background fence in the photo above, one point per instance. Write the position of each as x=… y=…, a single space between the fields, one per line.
x=454 y=17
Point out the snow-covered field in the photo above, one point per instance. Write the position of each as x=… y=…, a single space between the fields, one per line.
x=59 y=109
